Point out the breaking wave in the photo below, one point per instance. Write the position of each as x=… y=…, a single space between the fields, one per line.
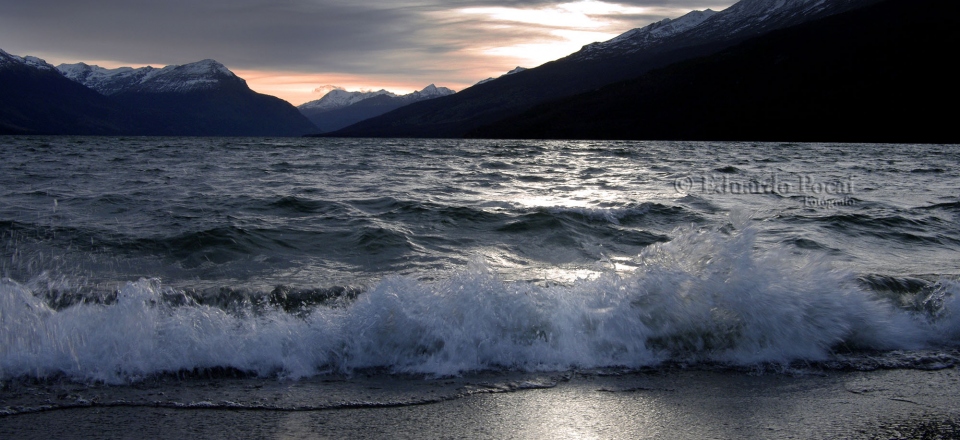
x=707 y=296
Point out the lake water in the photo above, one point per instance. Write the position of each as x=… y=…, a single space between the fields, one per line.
x=127 y=258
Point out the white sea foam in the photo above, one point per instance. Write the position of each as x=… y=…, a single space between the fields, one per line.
x=705 y=296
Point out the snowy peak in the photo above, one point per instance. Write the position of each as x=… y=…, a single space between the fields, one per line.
x=105 y=81
x=430 y=92
x=757 y=8
x=201 y=75
x=761 y=10
x=754 y=17
x=340 y=108
x=206 y=67
x=8 y=60
x=653 y=33
x=666 y=27
x=339 y=98
x=515 y=70
x=746 y=17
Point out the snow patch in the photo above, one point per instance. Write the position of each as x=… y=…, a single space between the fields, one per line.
x=8 y=60
x=637 y=39
x=340 y=98
x=200 y=75
x=741 y=16
x=516 y=70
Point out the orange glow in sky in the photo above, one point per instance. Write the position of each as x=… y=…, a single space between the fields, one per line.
x=299 y=88
x=458 y=48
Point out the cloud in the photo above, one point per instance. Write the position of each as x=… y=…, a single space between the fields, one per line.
x=323 y=90
x=453 y=43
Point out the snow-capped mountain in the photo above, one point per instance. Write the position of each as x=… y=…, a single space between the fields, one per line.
x=743 y=19
x=881 y=62
x=638 y=39
x=753 y=17
x=8 y=60
x=517 y=69
x=36 y=99
x=201 y=75
x=340 y=108
x=428 y=92
x=339 y=98
x=197 y=99
x=105 y=81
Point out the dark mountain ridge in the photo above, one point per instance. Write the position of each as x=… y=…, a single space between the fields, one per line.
x=334 y=117
x=36 y=99
x=594 y=66
x=877 y=74
x=196 y=99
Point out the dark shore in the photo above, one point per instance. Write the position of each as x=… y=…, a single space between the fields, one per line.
x=887 y=404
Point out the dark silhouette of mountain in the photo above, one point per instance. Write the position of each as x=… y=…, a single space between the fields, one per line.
x=882 y=73
x=36 y=99
x=628 y=56
x=339 y=108
x=197 y=99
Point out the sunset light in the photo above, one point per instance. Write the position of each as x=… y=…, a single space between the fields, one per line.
x=556 y=30
x=353 y=45
x=585 y=14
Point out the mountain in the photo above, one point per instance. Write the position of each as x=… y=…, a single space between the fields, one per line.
x=202 y=75
x=627 y=56
x=339 y=98
x=339 y=108
x=518 y=69
x=882 y=73
x=36 y=99
x=428 y=92
x=105 y=81
x=643 y=38
x=197 y=99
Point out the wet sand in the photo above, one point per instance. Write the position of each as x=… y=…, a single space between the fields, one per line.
x=672 y=404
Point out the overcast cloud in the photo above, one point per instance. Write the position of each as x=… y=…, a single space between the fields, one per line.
x=298 y=46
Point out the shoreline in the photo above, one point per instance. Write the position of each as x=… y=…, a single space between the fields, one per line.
x=658 y=404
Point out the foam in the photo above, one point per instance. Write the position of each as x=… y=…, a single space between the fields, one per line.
x=706 y=296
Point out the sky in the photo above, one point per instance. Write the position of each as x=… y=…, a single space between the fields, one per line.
x=300 y=49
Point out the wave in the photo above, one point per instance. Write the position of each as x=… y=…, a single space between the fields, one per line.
x=704 y=297
x=298 y=205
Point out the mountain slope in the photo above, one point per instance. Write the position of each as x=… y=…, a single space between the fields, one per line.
x=339 y=98
x=625 y=57
x=197 y=99
x=862 y=76
x=517 y=69
x=36 y=99
x=344 y=108
x=105 y=81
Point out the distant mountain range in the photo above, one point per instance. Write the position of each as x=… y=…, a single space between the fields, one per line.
x=793 y=70
x=198 y=99
x=340 y=108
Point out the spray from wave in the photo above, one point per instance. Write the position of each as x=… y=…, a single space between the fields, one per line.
x=707 y=296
